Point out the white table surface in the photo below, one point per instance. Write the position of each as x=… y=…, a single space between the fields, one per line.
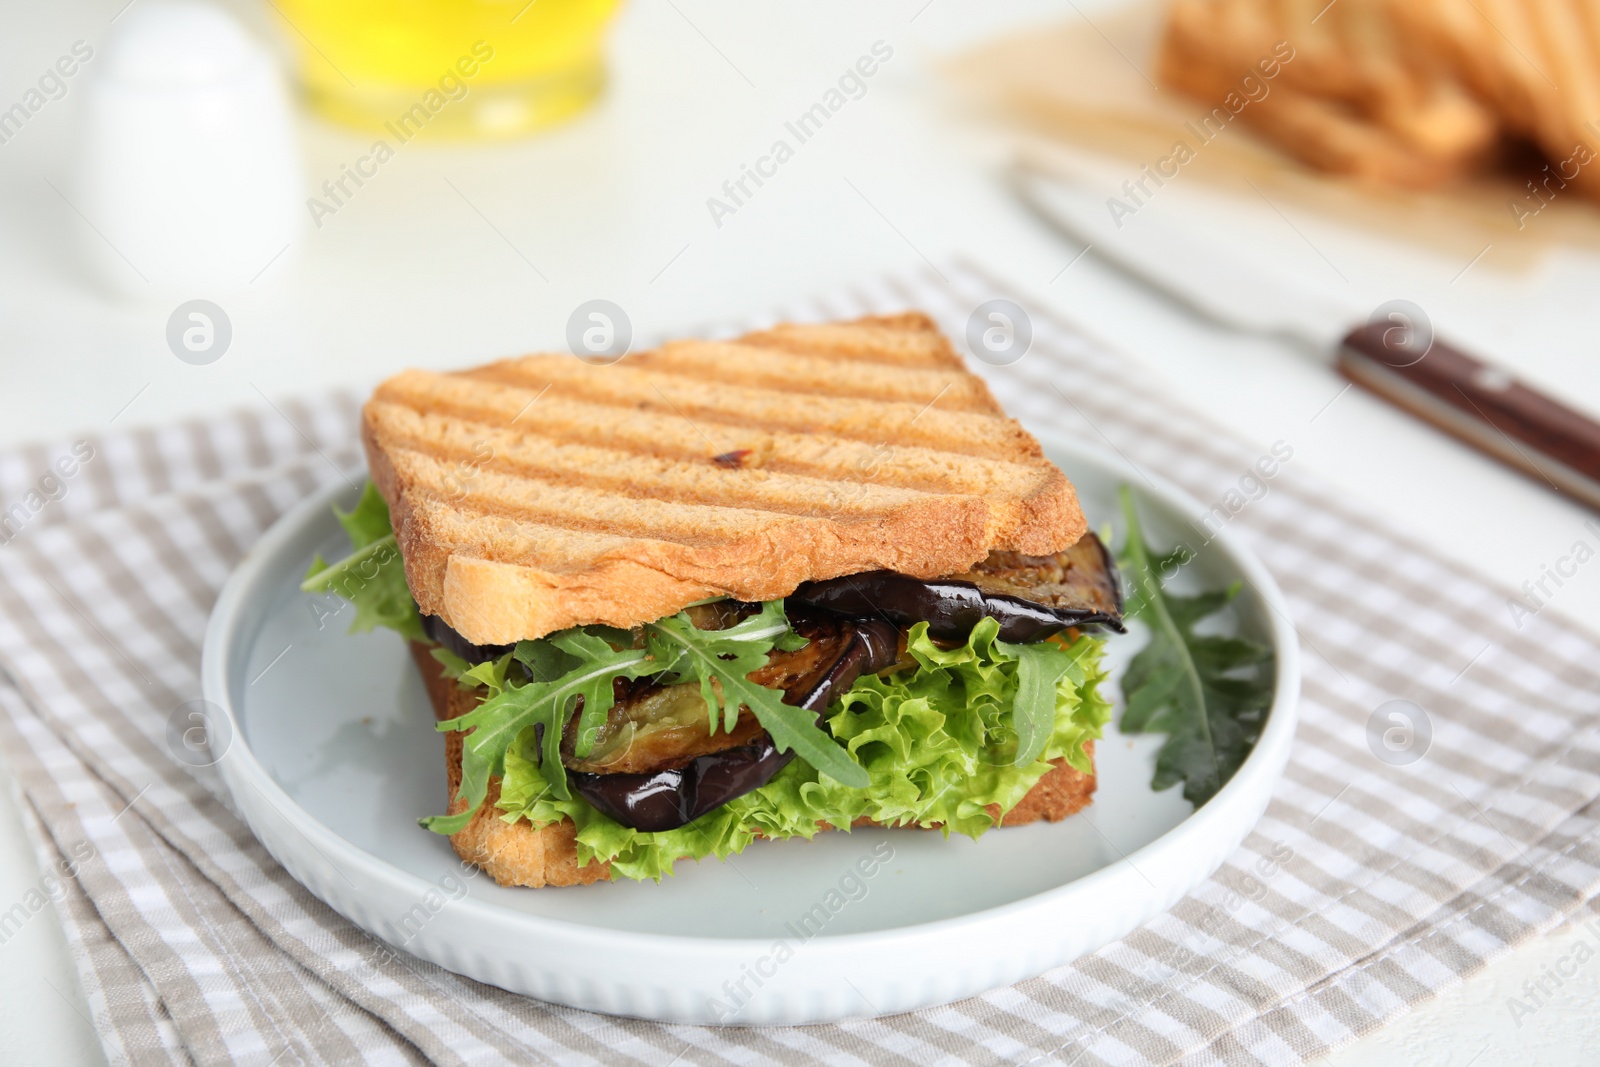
x=613 y=206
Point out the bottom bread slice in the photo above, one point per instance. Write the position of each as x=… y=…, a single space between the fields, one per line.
x=518 y=854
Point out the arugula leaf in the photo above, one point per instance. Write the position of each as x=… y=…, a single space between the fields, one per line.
x=451 y=665
x=373 y=576
x=490 y=674
x=1207 y=693
x=721 y=659
x=1040 y=668
x=501 y=721
x=544 y=660
x=588 y=649
x=583 y=662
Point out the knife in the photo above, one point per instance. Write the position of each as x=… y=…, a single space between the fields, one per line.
x=1390 y=352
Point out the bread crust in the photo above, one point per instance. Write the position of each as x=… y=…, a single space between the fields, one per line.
x=512 y=853
x=535 y=494
x=516 y=854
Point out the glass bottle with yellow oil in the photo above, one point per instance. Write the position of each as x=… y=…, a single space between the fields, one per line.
x=449 y=68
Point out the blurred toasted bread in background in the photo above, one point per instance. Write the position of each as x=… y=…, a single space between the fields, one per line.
x=1415 y=93
x=1449 y=124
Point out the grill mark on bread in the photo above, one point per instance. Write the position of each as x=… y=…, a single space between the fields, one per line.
x=582 y=507
x=571 y=528
x=555 y=420
x=598 y=498
x=466 y=450
x=763 y=367
x=554 y=533
x=568 y=547
x=715 y=405
x=908 y=340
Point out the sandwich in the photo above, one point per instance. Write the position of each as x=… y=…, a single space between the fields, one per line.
x=802 y=581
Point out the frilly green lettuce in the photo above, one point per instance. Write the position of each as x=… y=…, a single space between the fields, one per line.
x=939 y=743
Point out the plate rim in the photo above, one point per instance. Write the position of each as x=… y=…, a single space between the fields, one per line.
x=1259 y=773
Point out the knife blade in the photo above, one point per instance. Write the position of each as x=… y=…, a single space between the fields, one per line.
x=1390 y=352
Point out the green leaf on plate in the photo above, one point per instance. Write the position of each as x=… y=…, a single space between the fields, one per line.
x=1207 y=693
x=373 y=576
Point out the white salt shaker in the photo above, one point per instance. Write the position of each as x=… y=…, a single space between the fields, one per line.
x=188 y=165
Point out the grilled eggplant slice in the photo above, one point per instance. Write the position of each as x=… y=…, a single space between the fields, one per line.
x=656 y=765
x=838 y=652
x=1031 y=597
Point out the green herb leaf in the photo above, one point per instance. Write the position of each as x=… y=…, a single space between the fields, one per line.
x=373 y=576
x=1207 y=693
x=721 y=659
x=586 y=648
x=499 y=722
x=451 y=665
x=490 y=674
x=545 y=662
x=1040 y=668
x=368 y=521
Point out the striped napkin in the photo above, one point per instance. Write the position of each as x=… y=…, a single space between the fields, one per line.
x=1388 y=866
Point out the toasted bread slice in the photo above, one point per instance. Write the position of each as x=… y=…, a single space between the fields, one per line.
x=539 y=493
x=517 y=854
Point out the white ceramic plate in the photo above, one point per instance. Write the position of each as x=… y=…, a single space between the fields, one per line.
x=333 y=757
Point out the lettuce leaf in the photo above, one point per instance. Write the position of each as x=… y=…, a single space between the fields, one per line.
x=940 y=743
x=372 y=576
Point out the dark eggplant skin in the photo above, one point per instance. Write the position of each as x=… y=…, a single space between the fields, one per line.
x=442 y=632
x=1086 y=594
x=667 y=799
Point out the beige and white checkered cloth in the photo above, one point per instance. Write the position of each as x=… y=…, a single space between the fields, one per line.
x=1365 y=889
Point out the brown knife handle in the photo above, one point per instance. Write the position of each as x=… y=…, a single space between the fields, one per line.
x=1479 y=404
